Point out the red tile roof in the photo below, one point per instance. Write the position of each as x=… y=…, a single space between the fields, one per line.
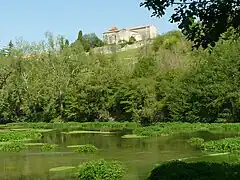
x=114 y=29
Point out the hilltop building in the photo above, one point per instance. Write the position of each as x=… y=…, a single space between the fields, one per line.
x=116 y=36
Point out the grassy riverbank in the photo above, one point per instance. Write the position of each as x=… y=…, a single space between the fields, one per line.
x=159 y=129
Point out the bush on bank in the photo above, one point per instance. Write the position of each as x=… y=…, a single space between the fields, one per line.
x=195 y=171
x=100 y=169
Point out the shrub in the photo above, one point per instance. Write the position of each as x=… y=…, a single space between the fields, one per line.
x=100 y=169
x=195 y=171
x=88 y=148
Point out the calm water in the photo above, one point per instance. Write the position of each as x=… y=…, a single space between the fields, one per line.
x=138 y=155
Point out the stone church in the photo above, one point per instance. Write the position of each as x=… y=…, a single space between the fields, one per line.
x=116 y=36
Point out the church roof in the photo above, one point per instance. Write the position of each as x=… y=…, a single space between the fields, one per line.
x=115 y=29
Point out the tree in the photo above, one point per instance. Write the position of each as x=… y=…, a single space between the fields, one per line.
x=61 y=42
x=86 y=45
x=67 y=42
x=4 y=52
x=80 y=36
x=80 y=42
x=10 y=44
x=93 y=40
x=88 y=41
x=8 y=51
x=201 y=21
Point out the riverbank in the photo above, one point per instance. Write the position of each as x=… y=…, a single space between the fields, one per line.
x=158 y=129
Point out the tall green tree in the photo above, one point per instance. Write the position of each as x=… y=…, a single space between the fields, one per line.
x=8 y=51
x=67 y=42
x=202 y=21
x=80 y=35
x=10 y=44
x=93 y=40
x=88 y=41
x=61 y=43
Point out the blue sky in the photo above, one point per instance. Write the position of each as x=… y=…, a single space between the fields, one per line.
x=30 y=19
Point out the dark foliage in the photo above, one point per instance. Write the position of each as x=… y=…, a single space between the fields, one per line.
x=202 y=21
x=177 y=170
x=88 y=41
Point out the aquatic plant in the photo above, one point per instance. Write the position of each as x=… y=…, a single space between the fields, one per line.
x=19 y=135
x=222 y=145
x=13 y=147
x=164 y=129
x=100 y=169
x=34 y=144
x=87 y=148
x=196 y=142
x=132 y=136
x=87 y=132
x=48 y=147
x=196 y=170
x=62 y=168
x=63 y=172
x=29 y=129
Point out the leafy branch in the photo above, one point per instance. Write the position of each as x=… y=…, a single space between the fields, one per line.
x=201 y=21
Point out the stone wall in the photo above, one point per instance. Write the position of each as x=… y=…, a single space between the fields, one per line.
x=117 y=48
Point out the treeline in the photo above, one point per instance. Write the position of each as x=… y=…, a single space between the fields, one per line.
x=88 y=41
x=168 y=83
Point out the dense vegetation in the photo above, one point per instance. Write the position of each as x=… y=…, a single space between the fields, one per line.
x=100 y=169
x=223 y=145
x=13 y=141
x=170 y=82
x=19 y=136
x=13 y=147
x=199 y=170
x=202 y=21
